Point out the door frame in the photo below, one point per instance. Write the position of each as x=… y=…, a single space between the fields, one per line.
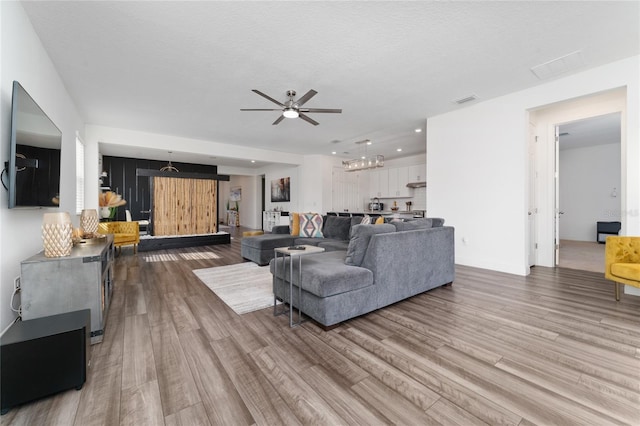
x=546 y=118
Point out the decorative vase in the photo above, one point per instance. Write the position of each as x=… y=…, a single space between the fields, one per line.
x=89 y=221
x=57 y=233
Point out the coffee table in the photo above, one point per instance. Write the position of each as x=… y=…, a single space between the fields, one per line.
x=292 y=254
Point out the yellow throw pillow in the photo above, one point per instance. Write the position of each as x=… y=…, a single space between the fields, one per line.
x=294 y=223
x=379 y=220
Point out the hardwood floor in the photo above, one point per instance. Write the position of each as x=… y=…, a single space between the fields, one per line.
x=551 y=348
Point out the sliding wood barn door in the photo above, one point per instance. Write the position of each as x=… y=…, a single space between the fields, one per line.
x=183 y=206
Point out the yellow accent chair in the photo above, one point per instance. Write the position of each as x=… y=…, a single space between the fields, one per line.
x=124 y=233
x=622 y=261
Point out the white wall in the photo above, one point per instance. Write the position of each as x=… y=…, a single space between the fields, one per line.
x=24 y=59
x=588 y=176
x=477 y=168
x=250 y=202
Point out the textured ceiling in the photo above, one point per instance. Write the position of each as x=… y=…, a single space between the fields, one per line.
x=186 y=68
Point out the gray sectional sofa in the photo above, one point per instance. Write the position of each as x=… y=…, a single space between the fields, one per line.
x=336 y=231
x=381 y=265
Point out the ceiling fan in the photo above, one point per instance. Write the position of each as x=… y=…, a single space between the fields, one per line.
x=291 y=107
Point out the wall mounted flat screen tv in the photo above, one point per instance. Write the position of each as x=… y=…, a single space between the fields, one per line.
x=34 y=159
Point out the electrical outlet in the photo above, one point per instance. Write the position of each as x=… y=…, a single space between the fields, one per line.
x=16 y=283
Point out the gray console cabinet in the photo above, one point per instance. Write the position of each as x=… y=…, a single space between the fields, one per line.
x=56 y=285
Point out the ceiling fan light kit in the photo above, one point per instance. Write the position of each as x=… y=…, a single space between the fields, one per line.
x=290 y=113
x=291 y=107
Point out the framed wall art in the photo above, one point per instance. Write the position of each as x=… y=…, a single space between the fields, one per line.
x=280 y=190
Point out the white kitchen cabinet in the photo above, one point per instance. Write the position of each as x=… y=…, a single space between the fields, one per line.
x=379 y=183
x=418 y=173
x=398 y=179
x=345 y=191
x=383 y=182
x=374 y=186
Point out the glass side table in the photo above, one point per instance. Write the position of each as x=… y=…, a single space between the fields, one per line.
x=284 y=252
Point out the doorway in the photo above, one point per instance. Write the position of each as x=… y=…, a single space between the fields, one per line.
x=588 y=181
x=546 y=119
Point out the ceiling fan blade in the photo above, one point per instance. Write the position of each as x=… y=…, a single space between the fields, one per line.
x=260 y=109
x=317 y=110
x=278 y=120
x=310 y=94
x=267 y=97
x=308 y=119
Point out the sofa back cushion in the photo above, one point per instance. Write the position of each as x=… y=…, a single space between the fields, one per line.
x=437 y=221
x=421 y=223
x=360 y=236
x=337 y=227
x=410 y=225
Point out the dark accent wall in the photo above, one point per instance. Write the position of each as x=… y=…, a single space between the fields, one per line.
x=122 y=179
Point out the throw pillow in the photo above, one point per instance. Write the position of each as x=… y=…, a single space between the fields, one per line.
x=294 y=224
x=366 y=220
x=380 y=220
x=311 y=225
x=360 y=237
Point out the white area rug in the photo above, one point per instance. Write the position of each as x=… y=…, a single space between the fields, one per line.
x=245 y=287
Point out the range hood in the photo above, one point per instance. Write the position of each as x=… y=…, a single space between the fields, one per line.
x=417 y=185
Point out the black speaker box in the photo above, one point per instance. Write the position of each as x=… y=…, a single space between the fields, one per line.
x=43 y=356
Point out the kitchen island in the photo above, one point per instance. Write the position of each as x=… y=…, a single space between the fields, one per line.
x=402 y=214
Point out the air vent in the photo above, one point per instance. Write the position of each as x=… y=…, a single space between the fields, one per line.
x=559 y=65
x=465 y=99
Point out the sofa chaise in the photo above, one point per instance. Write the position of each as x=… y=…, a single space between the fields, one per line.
x=383 y=264
x=335 y=231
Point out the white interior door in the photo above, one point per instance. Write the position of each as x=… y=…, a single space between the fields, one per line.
x=532 y=209
x=557 y=212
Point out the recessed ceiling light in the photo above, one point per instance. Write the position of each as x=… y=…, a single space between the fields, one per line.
x=253 y=161
x=333 y=152
x=399 y=149
x=418 y=130
x=369 y=142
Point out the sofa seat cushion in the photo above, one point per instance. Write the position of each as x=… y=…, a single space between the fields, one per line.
x=334 y=245
x=629 y=271
x=299 y=241
x=325 y=274
x=268 y=241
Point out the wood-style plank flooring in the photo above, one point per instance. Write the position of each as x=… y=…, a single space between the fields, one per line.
x=548 y=349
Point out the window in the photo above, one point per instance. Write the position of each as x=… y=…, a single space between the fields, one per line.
x=79 y=175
